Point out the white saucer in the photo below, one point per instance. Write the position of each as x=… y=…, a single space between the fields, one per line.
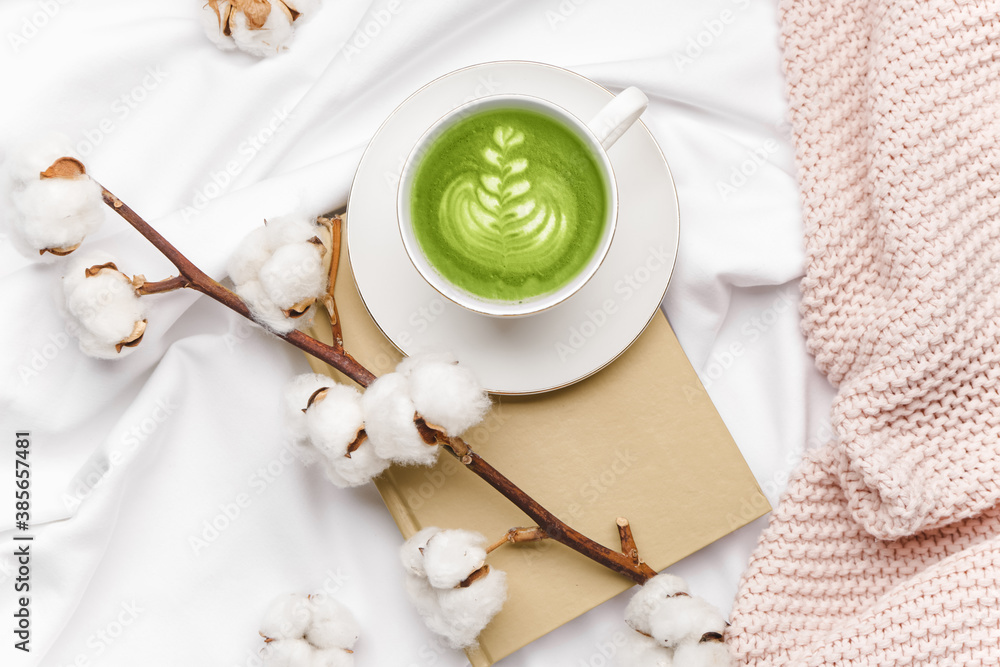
x=539 y=352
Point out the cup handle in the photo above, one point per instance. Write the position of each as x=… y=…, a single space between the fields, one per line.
x=618 y=115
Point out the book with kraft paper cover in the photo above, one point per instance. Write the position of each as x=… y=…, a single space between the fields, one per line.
x=640 y=439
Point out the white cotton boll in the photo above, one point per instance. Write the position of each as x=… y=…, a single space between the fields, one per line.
x=458 y=615
x=269 y=39
x=362 y=466
x=660 y=587
x=26 y=163
x=333 y=625
x=103 y=309
x=703 y=654
x=642 y=651
x=250 y=255
x=94 y=348
x=263 y=310
x=447 y=558
x=213 y=26
x=287 y=653
x=276 y=267
x=649 y=598
x=333 y=657
x=49 y=213
x=452 y=555
x=424 y=598
x=288 y=229
x=334 y=419
x=421 y=594
x=332 y=425
x=294 y=273
x=294 y=399
x=65 y=209
x=684 y=618
x=287 y=617
x=411 y=553
x=445 y=393
x=55 y=213
x=106 y=305
x=467 y=611
x=389 y=414
x=407 y=364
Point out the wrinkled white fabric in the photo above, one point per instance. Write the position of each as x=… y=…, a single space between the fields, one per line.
x=167 y=508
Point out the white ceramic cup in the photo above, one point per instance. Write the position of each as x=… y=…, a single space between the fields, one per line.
x=603 y=130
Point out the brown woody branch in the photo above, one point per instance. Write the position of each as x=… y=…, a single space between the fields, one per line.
x=200 y=281
x=628 y=542
x=145 y=287
x=336 y=225
x=517 y=536
x=553 y=527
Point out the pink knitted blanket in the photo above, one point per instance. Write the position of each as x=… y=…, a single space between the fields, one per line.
x=885 y=549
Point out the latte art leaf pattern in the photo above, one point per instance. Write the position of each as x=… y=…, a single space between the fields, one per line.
x=509 y=204
x=508 y=211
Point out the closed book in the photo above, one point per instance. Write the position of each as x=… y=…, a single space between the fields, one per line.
x=640 y=439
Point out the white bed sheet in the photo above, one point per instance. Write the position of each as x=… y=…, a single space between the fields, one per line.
x=131 y=460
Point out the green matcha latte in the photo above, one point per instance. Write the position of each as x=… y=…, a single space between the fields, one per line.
x=509 y=204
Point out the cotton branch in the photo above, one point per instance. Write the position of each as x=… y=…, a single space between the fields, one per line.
x=336 y=225
x=199 y=280
x=628 y=542
x=554 y=528
x=145 y=287
x=517 y=536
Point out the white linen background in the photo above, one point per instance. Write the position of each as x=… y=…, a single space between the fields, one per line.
x=129 y=459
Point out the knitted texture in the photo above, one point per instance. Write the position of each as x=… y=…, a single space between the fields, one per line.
x=885 y=549
x=821 y=590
